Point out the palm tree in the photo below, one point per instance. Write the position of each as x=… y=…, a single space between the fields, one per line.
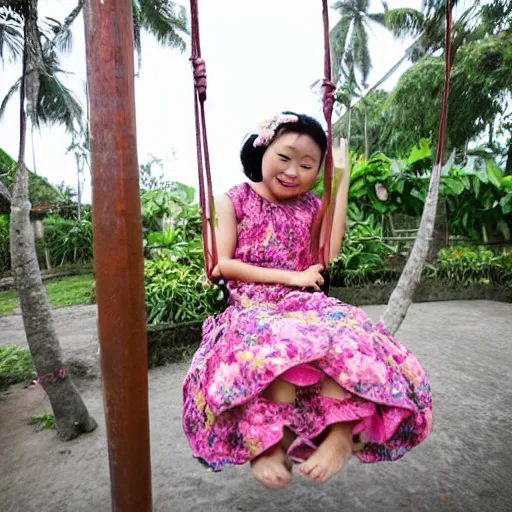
x=55 y=103
x=71 y=415
x=349 y=44
x=349 y=40
x=402 y=295
x=44 y=99
x=164 y=19
x=425 y=26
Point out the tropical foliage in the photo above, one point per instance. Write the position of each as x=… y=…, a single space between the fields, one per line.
x=481 y=84
x=477 y=194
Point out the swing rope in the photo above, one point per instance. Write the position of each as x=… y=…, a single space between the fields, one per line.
x=320 y=242
x=322 y=224
x=203 y=155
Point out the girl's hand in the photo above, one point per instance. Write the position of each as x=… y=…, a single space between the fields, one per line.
x=216 y=273
x=310 y=278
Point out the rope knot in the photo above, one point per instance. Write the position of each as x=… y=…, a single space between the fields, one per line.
x=199 y=77
x=329 y=91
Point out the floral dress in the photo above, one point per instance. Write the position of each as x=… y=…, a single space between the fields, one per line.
x=270 y=331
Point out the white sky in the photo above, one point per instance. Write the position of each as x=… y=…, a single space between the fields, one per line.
x=261 y=57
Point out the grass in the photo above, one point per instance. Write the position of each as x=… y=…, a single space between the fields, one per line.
x=68 y=291
x=15 y=365
x=8 y=302
x=43 y=421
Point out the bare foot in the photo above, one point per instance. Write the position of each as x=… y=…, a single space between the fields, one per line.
x=330 y=456
x=272 y=468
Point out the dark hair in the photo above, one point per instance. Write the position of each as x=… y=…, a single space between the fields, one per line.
x=252 y=157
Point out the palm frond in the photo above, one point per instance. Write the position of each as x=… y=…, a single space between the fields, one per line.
x=362 y=59
x=165 y=20
x=60 y=37
x=378 y=17
x=57 y=104
x=136 y=10
x=404 y=22
x=338 y=37
x=431 y=7
x=11 y=34
x=12 y=91
x=62 y=34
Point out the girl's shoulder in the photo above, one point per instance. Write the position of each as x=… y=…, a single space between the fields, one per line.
x=239 y=195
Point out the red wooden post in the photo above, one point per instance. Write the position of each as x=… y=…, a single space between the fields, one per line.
x=118 y=255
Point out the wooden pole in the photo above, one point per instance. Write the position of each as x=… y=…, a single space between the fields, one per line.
x=118 y=256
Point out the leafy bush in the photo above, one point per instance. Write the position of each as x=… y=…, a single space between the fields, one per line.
x=469 y=265
x=171 y=206
x=45 y=421
x=170 y=244
x=363 y=252
x=478 y=196
x=176 y=293
x=5 y=256
x=15 y=365
x=68 y=241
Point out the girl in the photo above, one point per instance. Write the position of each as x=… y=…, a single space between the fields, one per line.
x=286 y=374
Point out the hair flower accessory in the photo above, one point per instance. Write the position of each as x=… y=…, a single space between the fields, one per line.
x=268 y=127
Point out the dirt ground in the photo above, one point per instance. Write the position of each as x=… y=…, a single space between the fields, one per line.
x=465 y=464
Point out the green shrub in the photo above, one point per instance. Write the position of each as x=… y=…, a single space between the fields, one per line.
x=15 y=365
x=463 y=265
x=363 y=252
x=45 y=421
x=470 y=265
x=68 y=241
x=176 y=293
x=466 y=265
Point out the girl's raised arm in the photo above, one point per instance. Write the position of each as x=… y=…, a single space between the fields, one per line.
x=339 y=223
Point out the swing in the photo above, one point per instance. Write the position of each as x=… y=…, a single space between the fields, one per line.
x=320 y=238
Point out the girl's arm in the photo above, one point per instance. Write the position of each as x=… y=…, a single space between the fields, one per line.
x=339 y=223
x=233 y=269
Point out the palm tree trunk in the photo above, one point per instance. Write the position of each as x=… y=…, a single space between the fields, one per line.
x=34 y=168
x=402 y=295
x=71 y=415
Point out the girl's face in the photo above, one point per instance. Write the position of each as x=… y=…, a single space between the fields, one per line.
x=290 y=165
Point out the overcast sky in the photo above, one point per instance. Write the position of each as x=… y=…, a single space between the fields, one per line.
x=261 y=57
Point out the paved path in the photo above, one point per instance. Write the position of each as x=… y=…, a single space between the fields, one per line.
x=465 y=465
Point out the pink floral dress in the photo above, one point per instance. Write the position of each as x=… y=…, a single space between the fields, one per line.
x=271 y=331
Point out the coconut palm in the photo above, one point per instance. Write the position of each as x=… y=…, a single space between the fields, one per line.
x=349 y=40
x=71 y=415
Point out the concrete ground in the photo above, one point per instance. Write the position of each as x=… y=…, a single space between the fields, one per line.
x=465 y=464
